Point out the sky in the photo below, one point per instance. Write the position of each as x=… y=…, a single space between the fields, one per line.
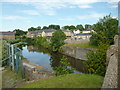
x=23 y=14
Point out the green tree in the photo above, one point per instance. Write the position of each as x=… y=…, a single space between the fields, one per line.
x=96 y=62
x=39 y=28
x=80 y=27
x=88 y=26
x=56 y=27
x=105 y=30
x=63 y=67
x=72 y=27
x=66 y=27
x=32 y=29
x=57 y=40
x=19 y=32
x=45 y=27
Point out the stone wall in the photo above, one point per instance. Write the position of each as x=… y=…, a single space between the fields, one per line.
x=77 y=41
x=34 y=73
x=110 y=79
x=76 y=52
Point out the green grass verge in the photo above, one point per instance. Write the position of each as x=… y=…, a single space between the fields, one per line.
x=10 y=78
x=69 y=81
x=85 y=45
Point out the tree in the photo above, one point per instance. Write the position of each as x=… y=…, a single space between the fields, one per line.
x=56 y=27
x=63 y=67
x=105 y=30
x=38 y=28
x=45 y=27
x=72 y=27
x=57 y=40
x=32 y=29
x=19 y=32
x=66 y=27
x=80 y=27
x=88 y=26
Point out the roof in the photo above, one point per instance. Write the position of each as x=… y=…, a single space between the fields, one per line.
x=40 y=31
x=80 y=34
x=7 y=33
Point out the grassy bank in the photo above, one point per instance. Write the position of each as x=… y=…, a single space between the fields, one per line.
x=69 y=81
x=85 y=45
x=10 y=78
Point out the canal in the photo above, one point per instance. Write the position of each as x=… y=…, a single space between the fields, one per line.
x=43 y=57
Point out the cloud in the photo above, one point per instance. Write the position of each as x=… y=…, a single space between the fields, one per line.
x=30 y=12
x=49 y=6
x=92 y=15
x=114 y=6
x=66 y=19
x=13 y=17
x=85 y=6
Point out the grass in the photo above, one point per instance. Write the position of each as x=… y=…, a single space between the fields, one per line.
x=85 y=45
x=10 y=78
x=69 y=81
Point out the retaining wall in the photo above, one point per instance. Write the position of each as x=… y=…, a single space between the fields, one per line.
x=111 y=76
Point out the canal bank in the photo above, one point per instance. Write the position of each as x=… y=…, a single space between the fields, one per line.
x=76 y=52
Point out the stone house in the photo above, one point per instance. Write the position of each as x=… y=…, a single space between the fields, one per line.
x=7 y=35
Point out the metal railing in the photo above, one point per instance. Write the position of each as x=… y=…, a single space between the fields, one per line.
x=13 y=59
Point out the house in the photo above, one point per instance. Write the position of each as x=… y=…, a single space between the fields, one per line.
x=7 y=35
x=82 y=36
x=46 y=33
x=76 y=31
x=68 y=33
x=87 y=31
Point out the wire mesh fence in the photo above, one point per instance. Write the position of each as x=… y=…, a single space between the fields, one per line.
x=13 y=59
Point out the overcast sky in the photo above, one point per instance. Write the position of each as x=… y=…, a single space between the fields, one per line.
x=23 y=14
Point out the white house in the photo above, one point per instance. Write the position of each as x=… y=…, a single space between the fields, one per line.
x=76 y=31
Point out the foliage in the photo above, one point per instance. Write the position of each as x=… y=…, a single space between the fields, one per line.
x=19 y=32
x=32 y=29
x=105 y=30
x=80 y=27
x=63 y=67
x=45 y=27
x=57 y=40
x=96 y=62
x=73 y=80
x=56 y=27
x=88 y=26
x=2 y=49
x=39 y=28
x=42 y=41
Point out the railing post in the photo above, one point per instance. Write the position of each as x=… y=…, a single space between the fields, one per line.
x=12 y=47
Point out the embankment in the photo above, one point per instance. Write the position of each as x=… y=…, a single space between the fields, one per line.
x=76 y=52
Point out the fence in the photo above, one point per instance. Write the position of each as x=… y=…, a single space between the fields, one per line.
x=14 y=59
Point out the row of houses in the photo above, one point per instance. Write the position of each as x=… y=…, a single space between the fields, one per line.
x=47 y=33
x=85 y=34
x=76 y=34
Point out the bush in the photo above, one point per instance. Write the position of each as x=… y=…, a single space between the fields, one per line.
x=63 y=67
x=96 y=62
